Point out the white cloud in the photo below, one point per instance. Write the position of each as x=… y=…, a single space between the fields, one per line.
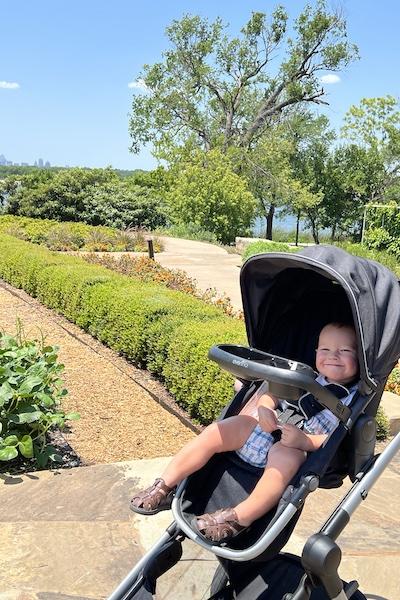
x=138 y=84
x=8 y=85
x=330 y=78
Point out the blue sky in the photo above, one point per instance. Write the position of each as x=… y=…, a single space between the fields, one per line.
x=71 y=63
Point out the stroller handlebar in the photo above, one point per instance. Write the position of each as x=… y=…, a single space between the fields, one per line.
x=288 y=379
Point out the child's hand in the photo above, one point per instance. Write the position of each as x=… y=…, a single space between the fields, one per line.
x=293 y=437
x=267 y=419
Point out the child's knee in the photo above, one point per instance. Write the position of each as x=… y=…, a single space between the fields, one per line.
x=279 y=451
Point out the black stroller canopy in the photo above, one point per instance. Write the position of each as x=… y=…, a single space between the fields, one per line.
x=288 y=298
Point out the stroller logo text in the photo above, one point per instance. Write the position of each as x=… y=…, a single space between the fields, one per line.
x=240 y=363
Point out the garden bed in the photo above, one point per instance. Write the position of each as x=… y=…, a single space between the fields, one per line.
x=125 y=413
x=76 y=236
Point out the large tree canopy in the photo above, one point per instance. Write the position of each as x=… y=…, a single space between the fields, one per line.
x=374 y=126
x=215 y=91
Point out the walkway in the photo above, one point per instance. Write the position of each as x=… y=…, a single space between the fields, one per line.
x=211 y=266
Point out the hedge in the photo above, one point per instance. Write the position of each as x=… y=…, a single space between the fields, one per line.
x=166 y=330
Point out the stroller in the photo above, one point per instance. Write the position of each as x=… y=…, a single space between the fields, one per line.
x=287 y=300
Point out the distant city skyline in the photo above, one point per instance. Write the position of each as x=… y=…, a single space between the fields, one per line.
x=69 y=70
x=4 y=162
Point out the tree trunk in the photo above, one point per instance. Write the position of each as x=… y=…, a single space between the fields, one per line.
x=333 y=231
x=314 y=228
x=297 y=227
x=270 y=218
x=315 y=232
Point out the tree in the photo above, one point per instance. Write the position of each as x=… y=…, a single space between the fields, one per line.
x=212 y=91
x=311 y=139
x=374 y=127
x=58 y=195
x=95 y=196
x=273 y=181
x=207 y=193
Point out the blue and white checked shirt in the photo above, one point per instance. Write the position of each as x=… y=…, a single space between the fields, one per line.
x=255 y=450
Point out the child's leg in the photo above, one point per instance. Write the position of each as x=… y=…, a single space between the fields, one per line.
x=282 y=464
x=221 y=436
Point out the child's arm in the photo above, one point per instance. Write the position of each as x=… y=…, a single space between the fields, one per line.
x=266 y=406
x=293 y=437
x=260 y=398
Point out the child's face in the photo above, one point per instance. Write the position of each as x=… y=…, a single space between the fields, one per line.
x=337 y=354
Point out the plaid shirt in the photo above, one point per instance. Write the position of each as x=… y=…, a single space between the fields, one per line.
x=255 y=450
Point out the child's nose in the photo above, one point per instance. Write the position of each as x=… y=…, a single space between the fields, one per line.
x=334 y=352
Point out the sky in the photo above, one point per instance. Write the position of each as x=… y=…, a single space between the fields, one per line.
x=66 y=66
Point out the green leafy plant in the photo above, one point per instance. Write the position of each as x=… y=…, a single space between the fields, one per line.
x=267 y=246
x=393 y=382
x=62 y=237
x=30 y=396
x=97 y=241
x=382 y=425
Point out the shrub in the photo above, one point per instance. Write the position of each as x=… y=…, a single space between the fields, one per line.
x=200 y=385
x=95 y=196
x=125 y=241
x=377 y=238
x=393 y=382
x=63 y=238
x=30 y=396
x=267 y=246
x=148 y=270
x=206 y=191
x=73 y=236
x=97 y=241
x=188 y=231
x=382 y=425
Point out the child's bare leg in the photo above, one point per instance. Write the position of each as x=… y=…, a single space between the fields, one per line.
x=221 y=436
x=282 y=465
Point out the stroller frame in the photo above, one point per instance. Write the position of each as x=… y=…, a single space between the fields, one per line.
x=371 y=304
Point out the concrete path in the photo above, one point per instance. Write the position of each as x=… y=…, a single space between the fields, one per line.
x=211 y=266
x=69 y=535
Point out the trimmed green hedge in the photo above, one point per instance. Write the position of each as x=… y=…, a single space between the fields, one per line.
x=262 y=246
x=165 y=330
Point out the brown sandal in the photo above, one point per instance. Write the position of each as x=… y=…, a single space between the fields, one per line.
x=153 y=499
x=219 y=526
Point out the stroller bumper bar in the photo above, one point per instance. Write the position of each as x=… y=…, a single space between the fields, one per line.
x=287 y=378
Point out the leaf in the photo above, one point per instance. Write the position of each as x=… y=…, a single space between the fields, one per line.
x=45 y=399
x=55 y=457
x=26 y=446
x=27 y=386
x=10 y=440
x=26 y=417
x=51 y=359
x=48 y=349
x=8 y=453
x=57 y=419
x=6 y=391
x=48 y=453
x=72 y=416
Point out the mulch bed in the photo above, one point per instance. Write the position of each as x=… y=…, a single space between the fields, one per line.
x=126 y=414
